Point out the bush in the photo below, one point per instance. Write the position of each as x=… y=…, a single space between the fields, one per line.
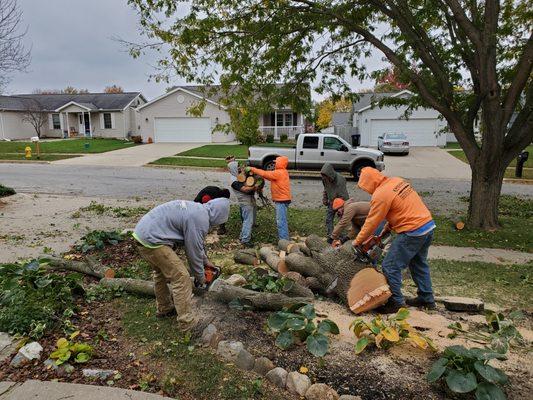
x=6 y=191
x=270 y=138
x=283 y=138
x=96 y=240
x=32 y=299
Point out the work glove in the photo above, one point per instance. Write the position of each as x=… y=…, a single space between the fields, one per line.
x=336 y=243
x=247 y=169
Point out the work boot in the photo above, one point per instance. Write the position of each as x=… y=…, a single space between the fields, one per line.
x=166 y=314
x=222 y=230
x=390 y=307
x=419 y=303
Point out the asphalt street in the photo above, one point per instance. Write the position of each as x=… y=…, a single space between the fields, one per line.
x=158 y=185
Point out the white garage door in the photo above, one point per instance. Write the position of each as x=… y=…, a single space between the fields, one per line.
x=420 y=132
x=185 y=130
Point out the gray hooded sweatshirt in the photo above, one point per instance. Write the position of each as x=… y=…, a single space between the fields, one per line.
x=184 y=223
x=335 y=188
x=242 y=198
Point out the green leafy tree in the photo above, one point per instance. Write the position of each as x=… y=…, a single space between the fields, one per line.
x=484 y=46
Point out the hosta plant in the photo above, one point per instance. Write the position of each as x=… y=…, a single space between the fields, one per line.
x=468 y=370
x=297 y=324
x=499 y=333
x=267 y=282
x=68 y=350
x=97 y=240
x=388 y=332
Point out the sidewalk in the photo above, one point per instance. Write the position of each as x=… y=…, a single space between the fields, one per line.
x=37 y=390
x=494 y=256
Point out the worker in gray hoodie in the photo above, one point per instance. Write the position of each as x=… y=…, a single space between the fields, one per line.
x=334 y=187
x=178 y=223
x=245 y=196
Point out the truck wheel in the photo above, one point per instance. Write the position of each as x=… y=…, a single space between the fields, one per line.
x=356 y=170
x=270 y=165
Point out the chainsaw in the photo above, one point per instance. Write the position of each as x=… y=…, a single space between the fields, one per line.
x=372 y=248
x=211 y=274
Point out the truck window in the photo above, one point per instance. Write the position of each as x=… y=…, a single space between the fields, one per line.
x=331 y=143
x=310 y=142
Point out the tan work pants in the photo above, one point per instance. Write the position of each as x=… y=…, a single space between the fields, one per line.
x=169 y=269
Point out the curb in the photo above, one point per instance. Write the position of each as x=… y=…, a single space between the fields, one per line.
x=24 y=162
x=518 y=181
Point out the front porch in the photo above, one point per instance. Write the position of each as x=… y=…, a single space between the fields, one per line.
x=282 y=122
x=77 y=120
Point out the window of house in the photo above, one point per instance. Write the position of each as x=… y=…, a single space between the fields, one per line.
x=284 y=119
x=331 y=143
x=56 y=121
x=310 y=142
x=107 y=121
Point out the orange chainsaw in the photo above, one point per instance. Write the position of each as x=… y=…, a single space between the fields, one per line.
x=211 y=274
x=372 y=248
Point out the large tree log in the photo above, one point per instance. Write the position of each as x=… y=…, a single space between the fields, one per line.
x=225 y=293
x=130 y=285
x=88 y=267
x=270 y=257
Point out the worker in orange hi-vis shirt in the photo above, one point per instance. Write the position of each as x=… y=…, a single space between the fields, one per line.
x=396 y=201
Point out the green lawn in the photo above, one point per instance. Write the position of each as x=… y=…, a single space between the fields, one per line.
x=44 y=157
x=96 y=145
x=461 y=156
x=509 y=286
x=222 y=151
x=516 y=216
x=190 y=162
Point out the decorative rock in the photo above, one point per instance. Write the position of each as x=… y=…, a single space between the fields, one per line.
x=321 y=391
x=51 y=364
x=236 y=280
x=298 y=383
x=101 y=374
x=349 y=397
x=26 y=353
x=7 y=346
x=278 y=376
x=263 y=365
x=229 y=350
x=463 y=304
x=210 y=336
x=245 y=360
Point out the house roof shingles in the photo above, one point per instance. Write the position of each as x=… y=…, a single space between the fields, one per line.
x=51 y=102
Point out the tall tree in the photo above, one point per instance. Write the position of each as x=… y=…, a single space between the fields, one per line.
x=113 y=89
x=35 y=114
x=326 y=108
x=484 y=46
x=13 y=55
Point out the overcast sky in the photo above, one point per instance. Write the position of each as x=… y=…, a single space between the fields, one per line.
x=72 y=44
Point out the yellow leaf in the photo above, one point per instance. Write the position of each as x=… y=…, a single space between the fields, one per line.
x=379 y=338
x=61 y=343
x=391 y=334
x=304 y=370
x=417 y=341
x=74 y=335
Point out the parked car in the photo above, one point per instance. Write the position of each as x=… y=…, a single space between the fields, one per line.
x=393 y=143
x=313 y=150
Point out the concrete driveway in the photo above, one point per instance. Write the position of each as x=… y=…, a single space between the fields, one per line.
x=426 y=162
x=136 y=156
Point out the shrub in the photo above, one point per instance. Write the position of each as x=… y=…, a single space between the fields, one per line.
x=388 y=332
x=6 y=191
x=465 y=370
x=283 y=138
x=297 y=323
x=96 y=240
x=33 y=300
x=269 y=138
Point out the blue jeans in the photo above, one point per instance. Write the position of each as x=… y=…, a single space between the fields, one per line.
x=409 y=251
x=248 y=219
x=281 y=220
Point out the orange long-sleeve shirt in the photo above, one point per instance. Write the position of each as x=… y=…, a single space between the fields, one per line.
x=280 y=185
x=393 y=199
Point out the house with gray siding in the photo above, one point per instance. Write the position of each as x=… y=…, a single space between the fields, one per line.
x=107 y=115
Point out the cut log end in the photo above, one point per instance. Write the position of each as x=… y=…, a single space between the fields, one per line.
x=459 y=225
x=368 y=290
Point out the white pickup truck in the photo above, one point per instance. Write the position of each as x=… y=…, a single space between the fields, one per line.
x=312 y=150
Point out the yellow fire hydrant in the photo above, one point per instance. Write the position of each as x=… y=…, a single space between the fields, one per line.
x=27 y=150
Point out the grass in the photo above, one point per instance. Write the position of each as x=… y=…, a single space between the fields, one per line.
x=187 y=369
x=222 y=151
x=73 y=146
x=509 y=286
x=460 y=154
x=190 y=162
x=43 y=157
x=516 y=216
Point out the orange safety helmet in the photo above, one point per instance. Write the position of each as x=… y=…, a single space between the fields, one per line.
x=337 y=203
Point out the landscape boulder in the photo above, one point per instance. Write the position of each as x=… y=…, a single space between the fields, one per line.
x=349 y=397
x=236 y=280
x=263 y=365
x=245 y=360
x=31 y=351
x=321 y=391
x=210 y=336
x=229 y=350
x=101 y=374
x=278 y=376
x=298 y=383
x=8 y=346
